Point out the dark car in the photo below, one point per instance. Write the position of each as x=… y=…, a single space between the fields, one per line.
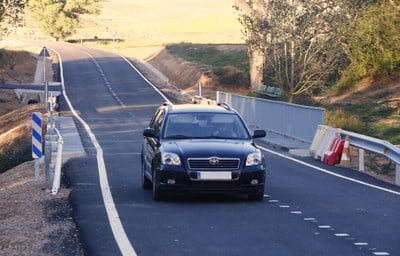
x=201 y=149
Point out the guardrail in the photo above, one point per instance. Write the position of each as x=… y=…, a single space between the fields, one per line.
x=53 y=149
x=57 y=171
x=325 y=135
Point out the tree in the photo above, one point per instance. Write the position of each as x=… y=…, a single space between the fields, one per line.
x=305 y=50
x=255 y=30
x=297 y=38
x=11 y=12
x=372 y=43
x=60 y=18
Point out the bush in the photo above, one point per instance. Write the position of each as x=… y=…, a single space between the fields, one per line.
x=15 y=152
x=341 y=119
x=372 y=42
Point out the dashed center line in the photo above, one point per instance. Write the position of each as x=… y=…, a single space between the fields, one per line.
x=329 y=228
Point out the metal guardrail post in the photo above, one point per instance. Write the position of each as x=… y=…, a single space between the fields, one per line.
x=47 y=158
x=57 y=171
x=397 y=173
x=361 y=161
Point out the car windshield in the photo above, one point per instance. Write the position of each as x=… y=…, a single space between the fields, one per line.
x=204 y=126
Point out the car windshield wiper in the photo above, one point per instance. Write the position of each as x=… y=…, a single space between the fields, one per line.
x=178 y=136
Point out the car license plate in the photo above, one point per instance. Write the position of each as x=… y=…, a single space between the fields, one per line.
x=214 y=175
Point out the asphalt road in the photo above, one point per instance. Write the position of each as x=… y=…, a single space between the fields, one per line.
x=306 y=211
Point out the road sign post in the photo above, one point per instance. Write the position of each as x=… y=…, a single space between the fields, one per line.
x=36 y=141
x=43 y=54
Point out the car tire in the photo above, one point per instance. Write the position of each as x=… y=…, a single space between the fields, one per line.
x=146 y=183
x=157 y=194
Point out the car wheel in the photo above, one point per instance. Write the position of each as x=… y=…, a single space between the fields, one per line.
x=157 y=194
x=146 y=183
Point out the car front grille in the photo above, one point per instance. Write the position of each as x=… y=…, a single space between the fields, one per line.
x=214 y=163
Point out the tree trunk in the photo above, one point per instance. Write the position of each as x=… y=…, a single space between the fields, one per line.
x=257 y=61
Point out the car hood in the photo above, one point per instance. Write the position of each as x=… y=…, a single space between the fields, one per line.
x=209 y=148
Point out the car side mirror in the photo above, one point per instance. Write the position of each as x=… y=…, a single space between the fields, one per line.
x=150 y=132
x=259 y=134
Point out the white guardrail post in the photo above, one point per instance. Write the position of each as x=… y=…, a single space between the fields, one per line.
x=57 y=171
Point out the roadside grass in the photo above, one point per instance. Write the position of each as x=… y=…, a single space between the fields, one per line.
x=228 y=64
x=375 y=120
x=208 y=55
x=16 y=149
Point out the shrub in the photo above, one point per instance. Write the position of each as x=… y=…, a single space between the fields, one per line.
x=16 y=151
x=372 y=42
x=341 y=119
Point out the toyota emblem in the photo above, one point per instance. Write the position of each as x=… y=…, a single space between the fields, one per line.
x=214 y=161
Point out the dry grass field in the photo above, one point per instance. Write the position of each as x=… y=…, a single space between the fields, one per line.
x=158 y=22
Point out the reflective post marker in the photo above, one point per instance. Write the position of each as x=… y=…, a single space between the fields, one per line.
x=36 y=141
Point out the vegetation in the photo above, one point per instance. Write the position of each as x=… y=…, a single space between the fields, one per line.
x=16 y=151
x=304 y=45
x=339 y=118
x=371 y=43
x=210 y=56
x=230 y=67
x=60 y=19
x=298 y=41
x=11 y=13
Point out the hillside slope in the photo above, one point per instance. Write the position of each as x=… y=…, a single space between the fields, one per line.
x=33 y=221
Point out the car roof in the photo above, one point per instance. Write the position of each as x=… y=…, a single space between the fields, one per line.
x=184 y=108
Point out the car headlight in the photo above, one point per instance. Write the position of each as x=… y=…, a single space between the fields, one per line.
x=170 y=159
x=254 y=158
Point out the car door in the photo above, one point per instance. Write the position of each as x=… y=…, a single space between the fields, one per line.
x=151 y=145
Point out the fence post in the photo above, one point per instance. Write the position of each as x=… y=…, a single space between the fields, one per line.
x=397 y=173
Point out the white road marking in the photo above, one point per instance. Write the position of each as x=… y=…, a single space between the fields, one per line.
x=361 y=244
x=342 y=235
x=144 y=78
x=119 y=233
x=309 y=219
x=324 y=226
x=330 y=173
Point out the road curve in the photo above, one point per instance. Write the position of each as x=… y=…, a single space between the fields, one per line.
x=305 y=211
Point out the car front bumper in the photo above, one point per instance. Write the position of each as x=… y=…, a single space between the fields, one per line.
x=242 y=182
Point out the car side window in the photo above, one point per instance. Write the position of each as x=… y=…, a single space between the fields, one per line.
x=157 y=120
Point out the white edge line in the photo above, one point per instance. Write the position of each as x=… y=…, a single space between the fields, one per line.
x=119 y=233
x=330 y=173
x=144 y=78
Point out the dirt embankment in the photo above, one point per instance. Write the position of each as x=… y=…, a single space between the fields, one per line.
x=17 y=66
x=186 y=75
x=33 y=221
x=382 y=90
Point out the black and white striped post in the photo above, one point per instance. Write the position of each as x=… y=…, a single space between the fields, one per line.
x=36 y=141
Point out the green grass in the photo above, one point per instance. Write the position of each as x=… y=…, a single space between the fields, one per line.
x=368 y=119
x=210 y=56
x=16 y=152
